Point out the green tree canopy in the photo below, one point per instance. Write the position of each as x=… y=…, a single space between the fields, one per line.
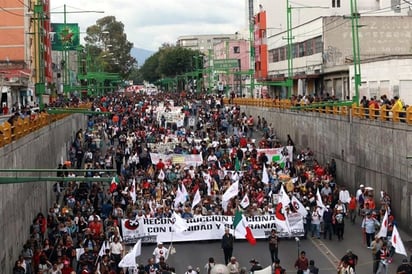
x=171 y=61
x=109 y=48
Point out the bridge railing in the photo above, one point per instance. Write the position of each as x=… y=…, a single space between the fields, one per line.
x=383 y=113
x=21 y=127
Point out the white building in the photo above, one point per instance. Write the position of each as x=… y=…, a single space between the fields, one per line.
x=322 y=55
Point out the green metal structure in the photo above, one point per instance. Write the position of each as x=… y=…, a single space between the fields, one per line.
x=16 y=178
x=356 y=48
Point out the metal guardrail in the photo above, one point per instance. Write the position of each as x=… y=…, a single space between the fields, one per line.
x=24 y=126
x=337 y=108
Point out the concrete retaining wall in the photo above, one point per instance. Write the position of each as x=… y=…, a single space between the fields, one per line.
x=20 y=203
x=366 y=152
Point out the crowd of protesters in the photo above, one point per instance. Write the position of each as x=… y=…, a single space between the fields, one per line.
x=87 y=215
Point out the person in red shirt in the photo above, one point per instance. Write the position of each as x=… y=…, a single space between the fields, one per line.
x=352 y=208
x=160 y=165
x=302 y=263
x=67 y=269
x=96 y=228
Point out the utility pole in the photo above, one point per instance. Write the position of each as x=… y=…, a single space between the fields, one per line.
x=252 y=56
x=39 y=86
x=355 y=47
x=289 y=37
x=210 y=70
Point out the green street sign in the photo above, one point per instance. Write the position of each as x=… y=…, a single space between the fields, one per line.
x=226 y=64
x=66 y=36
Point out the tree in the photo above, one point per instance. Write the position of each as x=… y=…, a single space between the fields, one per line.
x=170 y=62
x=108 y=47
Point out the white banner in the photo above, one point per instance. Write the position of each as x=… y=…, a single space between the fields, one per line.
x=278 y=154
x=182 y=160
x=202 y=228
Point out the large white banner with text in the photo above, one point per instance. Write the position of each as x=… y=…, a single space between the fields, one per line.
x=202 y=228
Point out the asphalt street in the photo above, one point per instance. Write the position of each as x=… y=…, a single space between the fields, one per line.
x=325 y=253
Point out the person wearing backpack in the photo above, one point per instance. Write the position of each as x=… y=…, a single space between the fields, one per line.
x=339 y=224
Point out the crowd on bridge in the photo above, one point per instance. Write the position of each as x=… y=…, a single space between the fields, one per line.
x=82 y=232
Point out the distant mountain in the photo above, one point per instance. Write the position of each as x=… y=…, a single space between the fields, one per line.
x=141 y=55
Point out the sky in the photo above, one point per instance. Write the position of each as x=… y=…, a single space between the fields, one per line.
x=150 y=23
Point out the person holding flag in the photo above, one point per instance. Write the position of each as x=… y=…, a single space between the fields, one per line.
x=227 y=245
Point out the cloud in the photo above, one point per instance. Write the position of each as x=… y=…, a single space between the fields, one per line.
x=150 y=23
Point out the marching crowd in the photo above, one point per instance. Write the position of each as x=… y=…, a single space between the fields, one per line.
x=88 y=215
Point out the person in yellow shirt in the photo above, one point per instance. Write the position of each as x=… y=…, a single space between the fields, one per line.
x=398 y=103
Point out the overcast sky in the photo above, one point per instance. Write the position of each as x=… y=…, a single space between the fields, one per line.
x=150 y=23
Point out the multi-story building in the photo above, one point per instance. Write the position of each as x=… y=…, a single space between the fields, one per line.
x=25 y=53
x=203 y=43
x=322 y=57
x=231 y=66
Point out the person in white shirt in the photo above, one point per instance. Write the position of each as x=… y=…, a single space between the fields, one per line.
x=116 y=249
x=344 y=195
x=160 y=251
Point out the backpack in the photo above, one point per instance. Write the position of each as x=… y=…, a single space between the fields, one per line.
x=339 y=218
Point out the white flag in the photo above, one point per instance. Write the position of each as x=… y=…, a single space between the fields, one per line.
x=184 y=192
x=281 y=217
x=298 y=206
x=266 y=270
x=265 y=175
x=132 y=191
x=283 y=197
x=319 y=201
x=79 y=252
x=179 y=223
x=179 y=197
x=231 y=192
x=208 y=179
x=383 y=231
x=129 y=260
x=397 y=242
x=196 y=199
x=105 y=246
x=245 y=201
x=161 y=175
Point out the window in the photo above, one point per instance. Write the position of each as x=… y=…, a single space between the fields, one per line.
x=301 y=49
x=309 y=47
x=318 y=44
x=335 y=3
x=236 y=49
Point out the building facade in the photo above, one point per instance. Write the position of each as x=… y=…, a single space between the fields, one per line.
x=25 y=52
x=322 y=55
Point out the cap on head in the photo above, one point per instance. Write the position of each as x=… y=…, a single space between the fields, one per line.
x=159 y=243
x=349 y=251
x=361 y=186
x=189 y=267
